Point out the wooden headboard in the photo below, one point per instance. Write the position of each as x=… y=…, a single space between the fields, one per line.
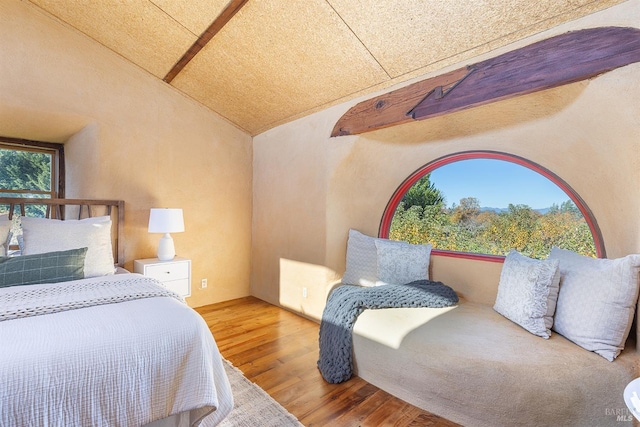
x=77 y=209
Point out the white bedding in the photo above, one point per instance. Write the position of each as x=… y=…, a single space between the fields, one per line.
x=122 y=364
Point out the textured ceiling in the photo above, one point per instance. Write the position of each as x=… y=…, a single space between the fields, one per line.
x=277 y=60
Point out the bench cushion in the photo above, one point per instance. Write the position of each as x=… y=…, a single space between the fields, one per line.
x=472 y=366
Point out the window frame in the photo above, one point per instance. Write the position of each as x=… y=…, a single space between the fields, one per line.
x=56 y=150
x=396 y=198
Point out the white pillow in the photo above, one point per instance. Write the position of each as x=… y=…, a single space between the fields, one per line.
x=51 y=235
x=400 y=263
x=363 y=261
x=362 y=264
x=5 y=229
x=528 y=291
x=597 y=300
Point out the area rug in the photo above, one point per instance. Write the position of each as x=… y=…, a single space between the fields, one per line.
x=252 y=405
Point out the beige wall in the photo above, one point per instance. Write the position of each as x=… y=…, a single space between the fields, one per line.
x=130 y=136
x=309 y=189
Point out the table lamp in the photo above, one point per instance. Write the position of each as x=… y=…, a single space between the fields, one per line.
x=632 y=399
x=164 y=220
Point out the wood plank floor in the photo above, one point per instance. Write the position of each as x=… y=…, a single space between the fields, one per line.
x=278 y=350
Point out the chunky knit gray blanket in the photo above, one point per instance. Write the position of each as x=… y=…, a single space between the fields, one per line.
x=347 y=302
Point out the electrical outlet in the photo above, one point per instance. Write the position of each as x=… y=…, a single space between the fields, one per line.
x=203 y=284
x=304 y=292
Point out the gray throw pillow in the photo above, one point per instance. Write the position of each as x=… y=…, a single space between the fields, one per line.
x=400 y=263
x=50 y=267
x=528 y=291
x=597 y=300
x=362 y=260
x=369 y=257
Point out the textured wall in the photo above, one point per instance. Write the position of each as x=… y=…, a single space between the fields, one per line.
x=309 y=189
x=130 y=136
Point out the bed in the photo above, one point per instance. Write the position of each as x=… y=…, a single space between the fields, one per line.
x=82 y=345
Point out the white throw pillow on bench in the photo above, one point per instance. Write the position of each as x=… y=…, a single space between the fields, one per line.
x=362 y=260
x=528 y=291
x=400 y=263
x=372 y=261
x=597 y=300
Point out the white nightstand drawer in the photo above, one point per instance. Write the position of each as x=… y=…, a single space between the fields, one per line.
x=181 y=287
x=168 y=271
x=175 y=274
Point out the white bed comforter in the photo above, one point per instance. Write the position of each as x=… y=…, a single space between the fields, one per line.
x=114 y=364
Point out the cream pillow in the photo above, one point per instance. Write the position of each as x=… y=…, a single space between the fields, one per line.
x=51 y=235
x=528 y=291
x=5 y=231
x=400 y=263
x=597 y=300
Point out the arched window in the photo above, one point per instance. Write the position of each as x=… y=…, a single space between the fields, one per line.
x=481 y=204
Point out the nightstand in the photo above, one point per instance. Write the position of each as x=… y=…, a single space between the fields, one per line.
x=174 y=274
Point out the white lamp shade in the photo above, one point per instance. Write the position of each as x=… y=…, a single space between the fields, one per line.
x=631 y=397
x=163 y=220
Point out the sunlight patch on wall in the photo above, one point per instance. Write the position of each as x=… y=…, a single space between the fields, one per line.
x=304 y=287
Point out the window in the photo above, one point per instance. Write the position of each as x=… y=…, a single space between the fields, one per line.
x=30 y=169
x=481 y=204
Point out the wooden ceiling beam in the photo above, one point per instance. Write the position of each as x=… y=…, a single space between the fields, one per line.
x=392 y=108
x=559 y=60
x=229 y=12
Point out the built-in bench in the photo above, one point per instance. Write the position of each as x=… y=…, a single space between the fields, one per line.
x=502 y=363
x=471 y=365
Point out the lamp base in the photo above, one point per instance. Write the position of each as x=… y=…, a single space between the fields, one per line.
x=166 y=249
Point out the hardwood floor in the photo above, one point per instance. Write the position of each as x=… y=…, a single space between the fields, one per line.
x=278 y=350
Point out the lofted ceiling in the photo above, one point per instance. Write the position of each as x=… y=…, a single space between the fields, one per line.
x=277 y=60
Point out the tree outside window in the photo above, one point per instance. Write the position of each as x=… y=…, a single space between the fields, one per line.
x=423 y=213
x=29 y=169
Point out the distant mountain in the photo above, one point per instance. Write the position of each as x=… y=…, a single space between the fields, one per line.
x=496 y=210
x=499 y=210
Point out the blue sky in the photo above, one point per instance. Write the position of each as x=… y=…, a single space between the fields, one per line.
x=496 y=183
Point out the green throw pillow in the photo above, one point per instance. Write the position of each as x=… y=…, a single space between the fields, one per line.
x=50 y=267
